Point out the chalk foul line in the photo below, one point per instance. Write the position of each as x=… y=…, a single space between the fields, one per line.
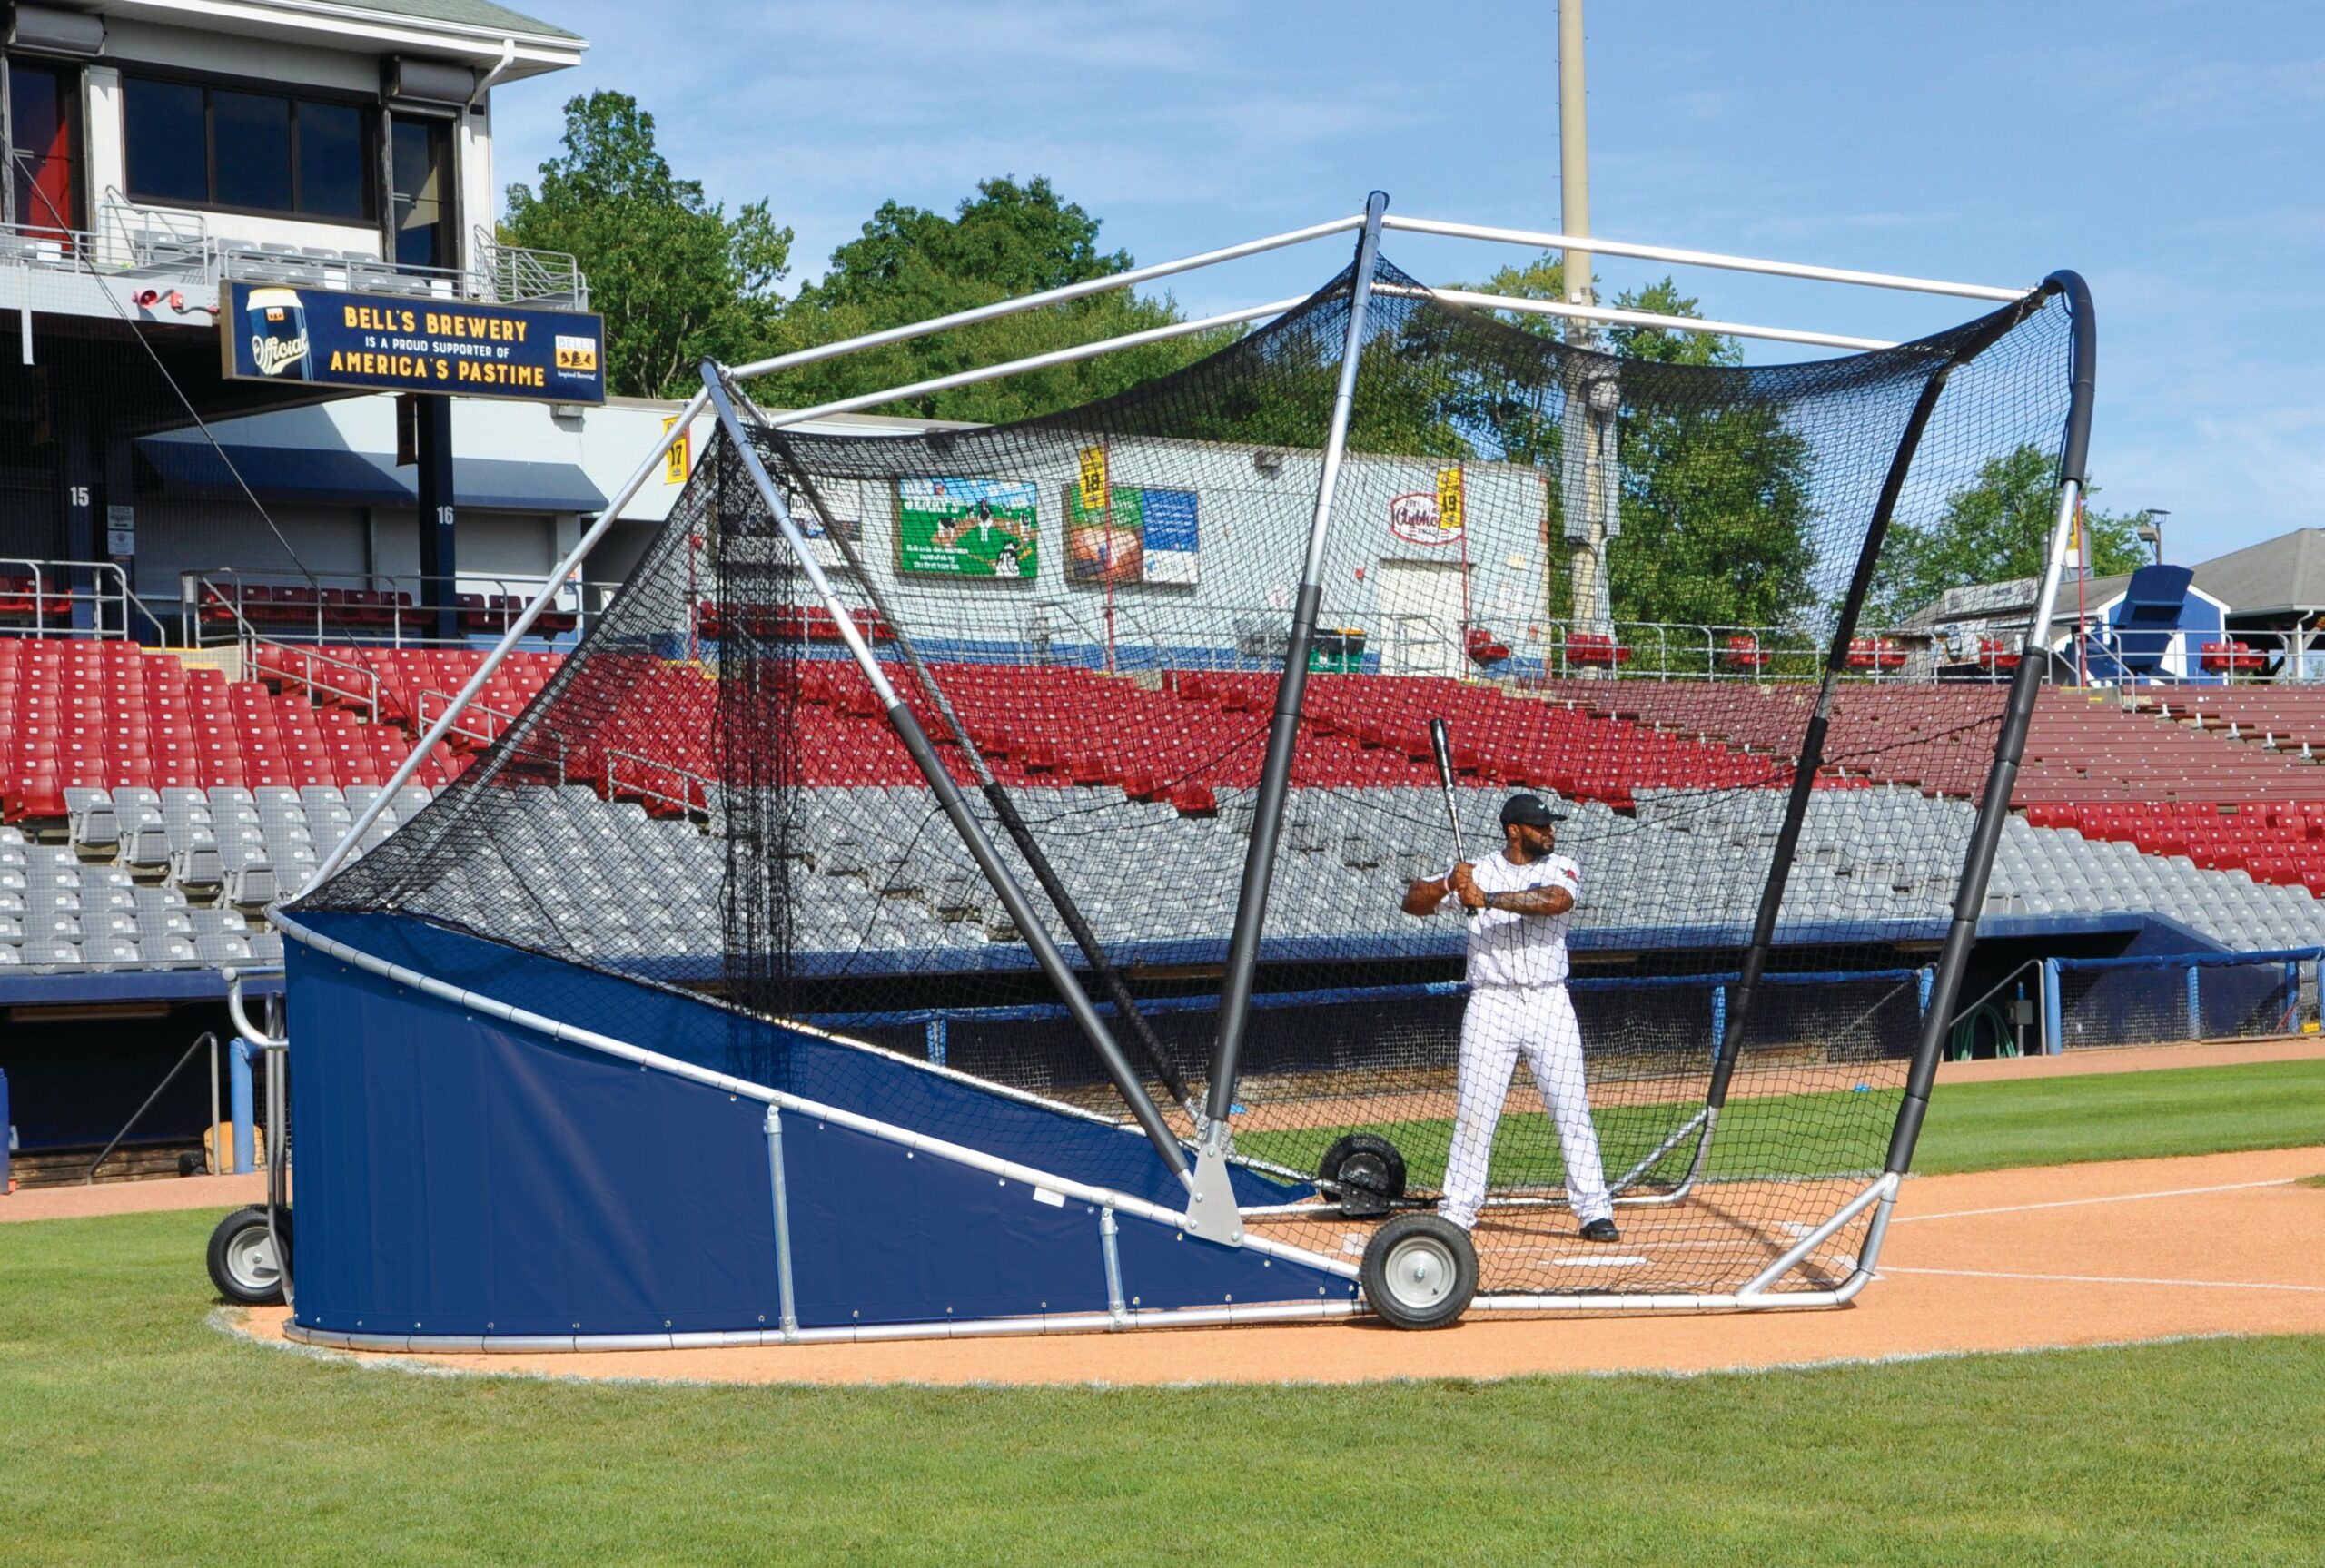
x=2105 y=1279
x=2081 y=1202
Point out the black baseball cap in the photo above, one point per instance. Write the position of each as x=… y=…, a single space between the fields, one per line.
x=1528 y=811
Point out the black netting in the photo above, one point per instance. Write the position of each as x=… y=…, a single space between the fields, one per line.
x=1615 y=579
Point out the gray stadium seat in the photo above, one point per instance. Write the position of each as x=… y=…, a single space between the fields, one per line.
x=51 y=953
x=54 y=924
x=146 y=853
x=197 y=867
x=251 y=885
x=224 y=948
x=12 y=930
x=94 y=831
x=175 y=951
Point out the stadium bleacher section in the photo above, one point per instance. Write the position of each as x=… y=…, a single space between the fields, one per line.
x=154 y=805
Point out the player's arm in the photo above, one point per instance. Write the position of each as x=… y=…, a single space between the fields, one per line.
x=1543 y=901
x=1427 y=896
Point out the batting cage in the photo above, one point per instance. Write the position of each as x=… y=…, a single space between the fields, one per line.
x=1005 y=878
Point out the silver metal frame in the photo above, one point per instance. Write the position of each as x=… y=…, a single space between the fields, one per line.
x=539 y=603
x=971 y=835
x=1758 y=1294
x=1110 y=1203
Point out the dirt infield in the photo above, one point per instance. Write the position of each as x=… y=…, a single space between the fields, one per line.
x=132 y=1198
x=2000 y=1260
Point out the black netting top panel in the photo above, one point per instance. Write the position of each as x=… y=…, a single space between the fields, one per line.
x=1617 y=579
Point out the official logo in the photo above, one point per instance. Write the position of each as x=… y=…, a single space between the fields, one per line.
x=1417 y=520
x=278 y=328
x=576 y=356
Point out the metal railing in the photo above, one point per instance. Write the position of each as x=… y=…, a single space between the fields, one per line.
x=519 y=274
x=319 y=673
x=90 y=599
x=130 y=239
x=441 y=701
x=218 y=607
x=689 y=804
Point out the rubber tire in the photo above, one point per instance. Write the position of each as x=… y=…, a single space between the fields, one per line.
x=1448 y=1249
x=1369 y=1171
x=228 y=1237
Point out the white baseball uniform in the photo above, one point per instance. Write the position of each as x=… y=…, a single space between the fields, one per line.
x=1518 y=1004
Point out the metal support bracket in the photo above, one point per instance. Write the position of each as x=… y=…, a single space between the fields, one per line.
x=790 y=1312
x=1211 y=1214
x=1884 y=1192
x=1117 y=1306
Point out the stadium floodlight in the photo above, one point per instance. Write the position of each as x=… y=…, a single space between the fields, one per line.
x=926 y=796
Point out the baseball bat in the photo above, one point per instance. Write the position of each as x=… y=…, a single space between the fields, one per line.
x=1440 y=744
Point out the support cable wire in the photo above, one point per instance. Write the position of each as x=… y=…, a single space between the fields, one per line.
x=137 y=330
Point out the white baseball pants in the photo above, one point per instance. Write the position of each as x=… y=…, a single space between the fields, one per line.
x=1501 y=1022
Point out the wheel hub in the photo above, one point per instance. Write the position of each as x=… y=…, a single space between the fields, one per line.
x=1421 y=1272
x=251 y=1255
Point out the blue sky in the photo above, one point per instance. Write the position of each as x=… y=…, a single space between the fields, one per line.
x=2172 y=152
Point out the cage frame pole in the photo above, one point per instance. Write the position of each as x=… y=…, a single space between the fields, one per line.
x=1067 y=356
x=1477 y=299
x=2010 y=746
x=606 y=519
x=1004 y=807
x=1275 y=773
x=973 y=837
x=1591 y=242
x=1811 y=755
x=1058 y=296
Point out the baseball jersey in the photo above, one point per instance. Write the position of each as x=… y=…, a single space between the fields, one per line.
x=1513 y=950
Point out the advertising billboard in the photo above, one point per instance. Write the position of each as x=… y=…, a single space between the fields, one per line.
x=393 y=343
x=967 y=528
x=1142 y=535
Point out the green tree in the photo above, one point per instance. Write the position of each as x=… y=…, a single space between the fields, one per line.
x=1716 y=510
x=1996 y=528
x=676 y=278
x=910 y=264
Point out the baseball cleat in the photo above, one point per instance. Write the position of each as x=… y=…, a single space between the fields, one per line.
x=1601 y=1230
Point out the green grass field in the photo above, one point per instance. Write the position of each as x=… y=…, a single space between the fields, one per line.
x=135 y=1433
x=1993 y=1126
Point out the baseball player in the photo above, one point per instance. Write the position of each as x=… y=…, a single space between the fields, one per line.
x=1520 y=899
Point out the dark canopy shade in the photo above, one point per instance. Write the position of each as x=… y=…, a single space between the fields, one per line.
x=191 y=469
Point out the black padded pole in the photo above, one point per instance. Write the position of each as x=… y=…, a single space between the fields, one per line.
x=1812 y=741
x=1812 y=738
x=2010 y=746
x=1283 y=728
x=1045 y=953
x=1004 y=804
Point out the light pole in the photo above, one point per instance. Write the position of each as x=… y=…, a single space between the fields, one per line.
x=2150 y=532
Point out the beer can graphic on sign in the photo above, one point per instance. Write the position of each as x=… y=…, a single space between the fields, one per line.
x=278 y=328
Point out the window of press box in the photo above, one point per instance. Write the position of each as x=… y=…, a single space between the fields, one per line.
x=258 y=152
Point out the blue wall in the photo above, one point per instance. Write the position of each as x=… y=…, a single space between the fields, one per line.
x=458 y=1176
